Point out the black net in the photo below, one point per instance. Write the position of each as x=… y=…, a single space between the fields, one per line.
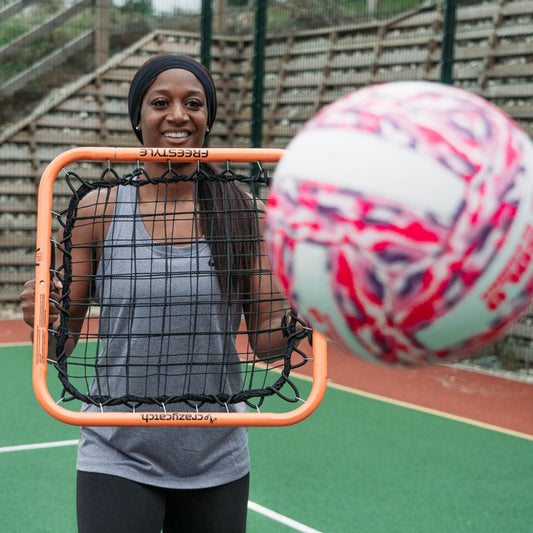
x=168 y=297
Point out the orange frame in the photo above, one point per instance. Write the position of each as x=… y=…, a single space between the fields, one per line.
x=42 y=293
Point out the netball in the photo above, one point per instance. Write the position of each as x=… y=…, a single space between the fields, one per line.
x=400 y=223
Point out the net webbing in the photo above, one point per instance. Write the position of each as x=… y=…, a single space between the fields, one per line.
x=157 y=294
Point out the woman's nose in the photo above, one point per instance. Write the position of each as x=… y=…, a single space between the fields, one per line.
x=177 y=113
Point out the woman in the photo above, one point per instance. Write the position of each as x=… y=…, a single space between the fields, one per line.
x=175 y=479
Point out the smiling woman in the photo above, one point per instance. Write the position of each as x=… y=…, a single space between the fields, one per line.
x=174 y=113
x=200 y=83
x=175 y=257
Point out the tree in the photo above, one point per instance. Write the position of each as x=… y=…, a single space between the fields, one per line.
x=144 y=7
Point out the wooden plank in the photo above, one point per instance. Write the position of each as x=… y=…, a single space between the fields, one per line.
x=119 y=75
x=468 y=72
x=14 y=152
x=8 y=298
x=17 y=259
x=510 y=70
x=424 y=18
x=408 y=74
x=519 y=111
x=18 y=224
x=17 y=187
x=407 y=41
x=68 y=139
x=18 y=278
x=16 y=208
x=112 y=108
x=477 y=12
x=521 y=49
x=12 y=9
x=403 y=57
x=521 y=9
x=514 y=31
x=21 y=240
x=517 y=90
x=354 y=61
x=63 y=121
x=107 y=91
x=473 y=34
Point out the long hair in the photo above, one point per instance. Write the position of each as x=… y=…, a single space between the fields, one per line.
x=229 y=217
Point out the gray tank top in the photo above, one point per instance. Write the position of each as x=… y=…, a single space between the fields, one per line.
x=163 y=304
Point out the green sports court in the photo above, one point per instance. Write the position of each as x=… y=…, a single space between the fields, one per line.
x=359 y=463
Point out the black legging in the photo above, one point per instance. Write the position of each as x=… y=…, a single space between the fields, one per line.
x=112 y=504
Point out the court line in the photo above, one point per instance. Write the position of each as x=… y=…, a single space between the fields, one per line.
x=430 y=411
x=38 y=446
x=15 y=344
x=282 y=519
x=422 y=409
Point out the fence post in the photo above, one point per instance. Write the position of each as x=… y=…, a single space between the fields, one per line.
x=448 y=41
x=205 y=40
x=258 y=72
x=101 y=37
x=206 y=19
x=256 y=133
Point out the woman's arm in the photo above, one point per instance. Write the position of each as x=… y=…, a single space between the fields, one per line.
x=266 y=314
x=83 y=269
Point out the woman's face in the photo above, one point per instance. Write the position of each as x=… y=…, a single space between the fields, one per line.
x=174 y=111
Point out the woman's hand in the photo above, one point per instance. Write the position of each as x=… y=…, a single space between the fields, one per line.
x=27 y=297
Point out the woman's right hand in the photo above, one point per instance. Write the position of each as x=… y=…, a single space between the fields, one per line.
x=27 y=297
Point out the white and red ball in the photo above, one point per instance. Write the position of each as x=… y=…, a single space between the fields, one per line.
x=400 y=222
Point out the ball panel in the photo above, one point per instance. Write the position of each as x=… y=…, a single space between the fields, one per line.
x=374 y=170
x=310 y=264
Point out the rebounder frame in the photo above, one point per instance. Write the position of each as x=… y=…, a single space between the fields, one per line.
x=42 y=294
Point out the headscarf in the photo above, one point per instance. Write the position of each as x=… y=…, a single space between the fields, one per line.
x=148 y=73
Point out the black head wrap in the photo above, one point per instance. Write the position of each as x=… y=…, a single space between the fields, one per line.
x=148 y=73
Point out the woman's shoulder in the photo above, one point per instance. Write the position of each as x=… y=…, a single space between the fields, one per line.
x=94 y=212
x=98 y=202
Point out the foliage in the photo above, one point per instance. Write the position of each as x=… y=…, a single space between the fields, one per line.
x=141 y=7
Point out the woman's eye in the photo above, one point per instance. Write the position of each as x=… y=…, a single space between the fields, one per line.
x=196 y=103
x=159 y=102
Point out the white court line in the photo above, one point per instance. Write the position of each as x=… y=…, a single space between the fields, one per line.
x=297 y=526
x=430 y=411
x=38 y=446
x=422 y=409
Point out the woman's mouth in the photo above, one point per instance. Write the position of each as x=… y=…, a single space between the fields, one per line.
x=176 y=134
